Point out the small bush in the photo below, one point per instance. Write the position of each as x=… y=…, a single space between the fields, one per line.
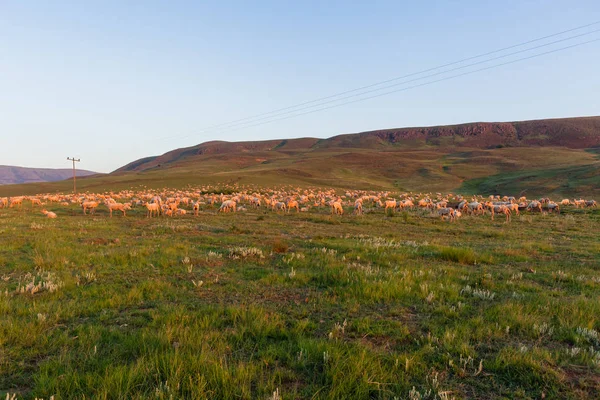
x=279 y=246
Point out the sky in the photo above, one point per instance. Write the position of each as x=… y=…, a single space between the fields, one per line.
x=110 y=82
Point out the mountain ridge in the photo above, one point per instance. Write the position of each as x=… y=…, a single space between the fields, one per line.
x=10 y=174
x=575 y=133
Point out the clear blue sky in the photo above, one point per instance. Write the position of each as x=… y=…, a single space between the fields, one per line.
x=108 y=81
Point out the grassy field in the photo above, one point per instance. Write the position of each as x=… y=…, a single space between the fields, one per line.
x=299 y=306
x=535 y=171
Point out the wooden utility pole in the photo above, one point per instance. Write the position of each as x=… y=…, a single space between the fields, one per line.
x=74 y=184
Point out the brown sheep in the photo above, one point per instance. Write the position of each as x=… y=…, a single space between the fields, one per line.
x=293 y=204
x=89 y=205
x=336 y=208
x=117 y=206
x=152 y=208
x=15 y=201
x=390 y=204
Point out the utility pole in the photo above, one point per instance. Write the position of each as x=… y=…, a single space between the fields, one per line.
x=74 y=184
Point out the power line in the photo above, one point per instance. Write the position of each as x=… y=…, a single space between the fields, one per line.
x=422 y=84
x=411 y=80
x=237 y=121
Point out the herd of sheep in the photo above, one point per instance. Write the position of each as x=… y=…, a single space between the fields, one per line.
x=180 y=202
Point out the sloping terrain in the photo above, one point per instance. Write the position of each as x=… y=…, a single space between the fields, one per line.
x=558 y=157
x=12 y=175
x=575 y=133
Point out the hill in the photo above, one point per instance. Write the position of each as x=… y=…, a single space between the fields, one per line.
x=14 y=175
x=555 y=157
x=575 y=133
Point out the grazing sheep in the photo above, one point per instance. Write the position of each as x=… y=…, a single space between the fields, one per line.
x=3 y=202
x=475 y=208
x=553 y=207
x=255 y=202
x=49 y=214
x=336 y=208
x=591 y=203
x=406 y=204
x=228 y=206
x=15 y=201
x=152 y=208
x=358 y=207
x=35 y=202
x=565 y=202
x=123 y=207
x=447 y=212
x=513 y=207
x=89 y=205
x=390 y=204
x=501 y=209
x=293 y=204
x=534 y=205
x=279 y=205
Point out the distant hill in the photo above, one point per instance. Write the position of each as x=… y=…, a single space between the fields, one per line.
x=15 y=175
x=553 y=157
x=574 y=133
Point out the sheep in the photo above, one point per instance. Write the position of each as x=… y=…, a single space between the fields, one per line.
x=336 y=208
x=3 y=202
x=513 y=207
x=152 y=208
x=447 y=212
x=49 y=214
x=15 y=201
x=358 y=207
x=117 y=206
x=553 y=207
x=279 y=205
x=196 y=208
x=390 y=204
x=565 y=202
x=501 y=209
x=227 y=206
x=534 y=205
x=35 y=201
x=293 y=204
x=406 y=204
x=89 y=205
x=475 y=207
x=304 y=209
x=591 y=203
x=255 y=202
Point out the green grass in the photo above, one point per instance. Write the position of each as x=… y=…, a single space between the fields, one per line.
x=566 y=181
x=314 y=306
x=537 y=170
